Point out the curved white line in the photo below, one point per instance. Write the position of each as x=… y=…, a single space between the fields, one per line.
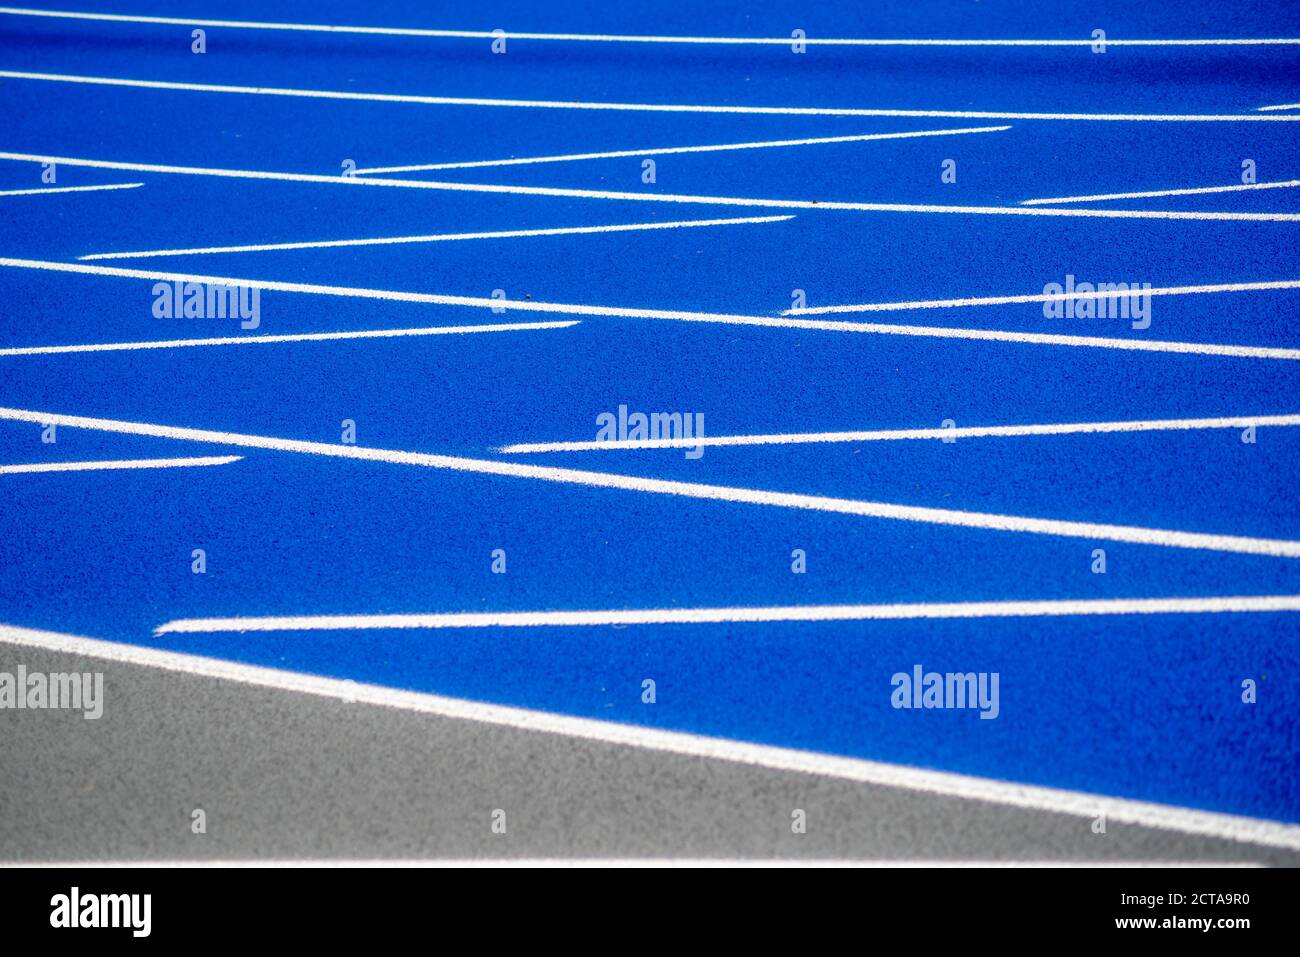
x=299 y=337
x=717 y=616
x=807 y=204
x=669 y=150
x=1197 y=191
x=887 y=435
x=527 y=305
x=441 y=237
x=118 y=464
x=719 y=493
x=628 y=38
x=635 y=107
x=1272 y=285
x=67 y=189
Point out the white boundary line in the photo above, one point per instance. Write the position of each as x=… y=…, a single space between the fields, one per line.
x=640 y=107
x=1208 y=824
x=444 y=237
x=886 y=435
x=669 y=150
x=1198 y=191
x=67 y=189
x=118 y=464
x=628 y=38
x=619 y=862
x=1270 y=285
x=749 y=615
x=300 y=337
x=722 y=493
x=826 y=325
x=745 y=201
x=1283 y=106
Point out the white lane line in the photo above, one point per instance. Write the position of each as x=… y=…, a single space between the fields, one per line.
x=886 y=435
x=300 y=337
x=714 y=616
x=668 y=150
x=1198 y=191
x=1284 y=106
x=640 y=107
x=442 y=237
x=632 y=38
x=621 y=312
x=67 y=189
x=1272 y=285
x=721 y=493
x=525 y=305
x=1211 y=824
x=118 y=464
x=565 y=193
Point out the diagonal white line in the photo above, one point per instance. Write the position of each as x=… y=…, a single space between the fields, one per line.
x=118 y=464
x=443 y=237
x=1080 y=804
x=299 y=337
x=989 y=335
x=886 y=435
x=668 y=150
x=1271 y=285
x=67 y=189
x=811 y=204
x=712 y=616
x=1198 y=191
x=640 y=107
x=636 y=38
x=1283 y=106
x=936 y=516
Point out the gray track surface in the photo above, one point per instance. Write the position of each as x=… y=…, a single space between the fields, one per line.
x=286 y=775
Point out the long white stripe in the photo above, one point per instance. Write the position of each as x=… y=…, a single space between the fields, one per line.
x=549 y=863
x=1198 y=191
x=118 y=464
x=300 y=337
x=886 y=435
x=1080 y=804
x=668 y=150
x=442 y=237
x=67 y=189
x=1047 y=297
x=911 y=513
x=713 y=616
x=632 y=38
x=639 y=107
x=553 y=191
x=827 y=325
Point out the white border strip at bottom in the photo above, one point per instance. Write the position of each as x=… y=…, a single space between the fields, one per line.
x=1210 y=824
x=603 y=862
